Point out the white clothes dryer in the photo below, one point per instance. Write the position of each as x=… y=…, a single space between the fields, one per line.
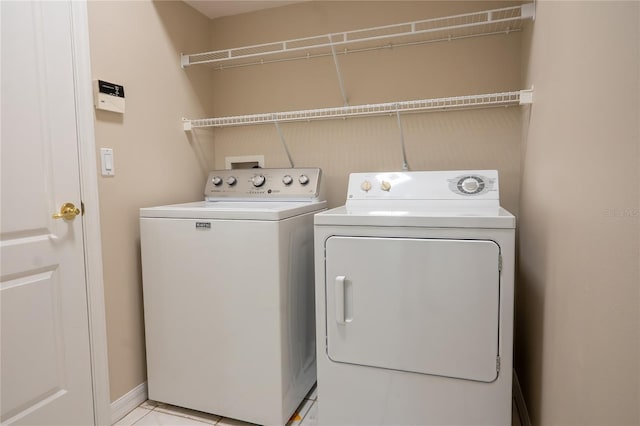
x=228 y=295
x=414 y=301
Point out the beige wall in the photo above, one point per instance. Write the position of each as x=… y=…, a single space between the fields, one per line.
x=137 y=44
x=578 y=325
x=487 y=138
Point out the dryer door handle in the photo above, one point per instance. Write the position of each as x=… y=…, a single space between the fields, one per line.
x=340 y=299
x=343 y=306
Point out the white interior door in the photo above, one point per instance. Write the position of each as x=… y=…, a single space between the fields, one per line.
x=420 y=305
x=45 y=367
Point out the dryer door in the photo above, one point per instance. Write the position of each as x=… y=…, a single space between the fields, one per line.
x=427 y=306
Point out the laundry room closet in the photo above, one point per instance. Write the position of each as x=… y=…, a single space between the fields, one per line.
x=157 y=161
x=455 y=140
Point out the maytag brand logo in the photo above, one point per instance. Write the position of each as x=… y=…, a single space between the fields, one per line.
x=203 y=225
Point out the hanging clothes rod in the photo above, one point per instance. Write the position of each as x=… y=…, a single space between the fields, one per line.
x=495 y=21
x=519 y=97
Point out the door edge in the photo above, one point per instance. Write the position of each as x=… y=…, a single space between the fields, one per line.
x=91 y=217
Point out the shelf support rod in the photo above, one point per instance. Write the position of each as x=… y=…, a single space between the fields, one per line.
x=335 y=61
x=284 y=142
x=405 y=165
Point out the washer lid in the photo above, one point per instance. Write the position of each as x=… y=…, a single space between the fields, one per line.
x=396 y=215
x=234 y=210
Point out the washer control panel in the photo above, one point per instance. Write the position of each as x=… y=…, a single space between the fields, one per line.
x=277 y=184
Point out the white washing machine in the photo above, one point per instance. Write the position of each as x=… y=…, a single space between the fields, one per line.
x=414 y=301
x=228 y=295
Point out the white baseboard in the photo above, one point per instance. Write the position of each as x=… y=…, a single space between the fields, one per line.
x=127 y=402
x=523 y=413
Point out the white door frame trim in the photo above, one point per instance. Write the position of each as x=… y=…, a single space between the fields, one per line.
x=91 y=216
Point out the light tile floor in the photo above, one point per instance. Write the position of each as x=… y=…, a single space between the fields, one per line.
x=151 y=413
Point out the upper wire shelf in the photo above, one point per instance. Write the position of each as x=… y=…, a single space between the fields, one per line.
x=487 y=22
x=519 y=97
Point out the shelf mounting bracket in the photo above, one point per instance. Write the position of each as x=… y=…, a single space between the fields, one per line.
x=284 y=142
x=184 y=60
x=528 y=11
x=335 y=61
x=405 y=165
x=526 y=96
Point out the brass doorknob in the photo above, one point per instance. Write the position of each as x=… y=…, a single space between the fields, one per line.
x=67 y=212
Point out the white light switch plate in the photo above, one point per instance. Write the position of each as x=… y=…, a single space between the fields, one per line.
x=106 y=155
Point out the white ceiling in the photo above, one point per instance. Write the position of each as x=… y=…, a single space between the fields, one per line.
x=218 y=8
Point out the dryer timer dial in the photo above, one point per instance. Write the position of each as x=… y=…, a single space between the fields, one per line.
x=471 y=184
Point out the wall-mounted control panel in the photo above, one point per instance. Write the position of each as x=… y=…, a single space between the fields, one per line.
x=268 y=184
x=108 y=96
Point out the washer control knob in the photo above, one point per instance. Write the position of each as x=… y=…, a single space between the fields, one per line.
x=365 y=186
x=217 y=180
x=231 y=180
x=287 y=179
x=385 y=186
x=258 y=180
x=303 y=179
x=470 y=185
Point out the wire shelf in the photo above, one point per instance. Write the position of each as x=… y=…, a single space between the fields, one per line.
x=488 y=22
x=519 y=97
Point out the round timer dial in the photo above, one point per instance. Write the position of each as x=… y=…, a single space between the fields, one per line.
x=470 y=184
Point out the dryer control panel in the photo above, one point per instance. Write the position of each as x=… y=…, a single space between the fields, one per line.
x=268 y=184
x=437 y=188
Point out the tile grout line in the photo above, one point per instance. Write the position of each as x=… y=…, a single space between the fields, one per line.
x=145 y=415
x=184 y=416
x=308 y=411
